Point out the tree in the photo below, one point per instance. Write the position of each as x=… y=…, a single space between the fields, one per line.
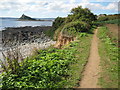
x=58 y=22
x=80 y=13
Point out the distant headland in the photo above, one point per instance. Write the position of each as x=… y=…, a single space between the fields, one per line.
x=28 y=18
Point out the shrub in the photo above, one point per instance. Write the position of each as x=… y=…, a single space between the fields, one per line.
x=80 y=13
x=75 y=27
x=58 y=22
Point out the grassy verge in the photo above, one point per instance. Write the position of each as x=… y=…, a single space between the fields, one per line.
x=108 y=51
x=51 y=68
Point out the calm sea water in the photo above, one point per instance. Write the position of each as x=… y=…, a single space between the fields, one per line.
x=12 y=22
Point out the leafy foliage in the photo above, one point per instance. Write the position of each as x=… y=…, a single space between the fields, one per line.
x=80 y=20
x=56 y=68
x=58 y=22
x=72 y=28
x=51 y=68
x=47 y=70
x=82 y=14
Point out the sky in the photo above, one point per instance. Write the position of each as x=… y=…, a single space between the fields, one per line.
x=54 y=8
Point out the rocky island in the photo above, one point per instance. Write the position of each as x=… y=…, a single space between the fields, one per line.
x=24 y=17
x=27 y=18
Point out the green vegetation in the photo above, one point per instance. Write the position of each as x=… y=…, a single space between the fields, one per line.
x=80 y=18
x=55 y=68
x=51 y=68
x=109 y=19
x=72 y=28
x=108 y=51
x=115 y=21
x=56 y=24
x=82 y=14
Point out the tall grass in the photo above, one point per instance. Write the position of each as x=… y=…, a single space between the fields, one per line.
x=11 y=60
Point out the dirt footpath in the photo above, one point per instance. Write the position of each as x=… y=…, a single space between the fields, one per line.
x=92 y=69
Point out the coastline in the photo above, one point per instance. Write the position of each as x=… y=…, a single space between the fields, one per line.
x=26 y=39
x=17 y=35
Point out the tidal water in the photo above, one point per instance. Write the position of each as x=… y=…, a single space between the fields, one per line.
x=13 y=22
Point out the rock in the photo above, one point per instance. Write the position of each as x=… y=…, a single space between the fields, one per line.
x=24 y=17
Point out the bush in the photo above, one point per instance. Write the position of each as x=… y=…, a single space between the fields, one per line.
x=58 y=22
x=79 y=13
x=75 y=27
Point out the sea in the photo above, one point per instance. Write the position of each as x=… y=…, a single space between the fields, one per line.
x=13 y=22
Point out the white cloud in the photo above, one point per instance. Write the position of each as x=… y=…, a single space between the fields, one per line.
x=72 y=1
x=113 y=6
x=107 y=0
x=46 y=6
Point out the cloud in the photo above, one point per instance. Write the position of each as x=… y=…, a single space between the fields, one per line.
x=107 y=0
x=112 y=6
x=51 y=6
x=100 y=0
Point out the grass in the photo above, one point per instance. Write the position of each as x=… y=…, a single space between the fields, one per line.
x=108 y=51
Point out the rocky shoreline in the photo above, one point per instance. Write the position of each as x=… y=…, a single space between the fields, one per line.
x=16 y=36
x=26 y=39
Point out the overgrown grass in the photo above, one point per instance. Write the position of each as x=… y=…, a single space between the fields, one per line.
x=51 y=68
x=108 y=51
